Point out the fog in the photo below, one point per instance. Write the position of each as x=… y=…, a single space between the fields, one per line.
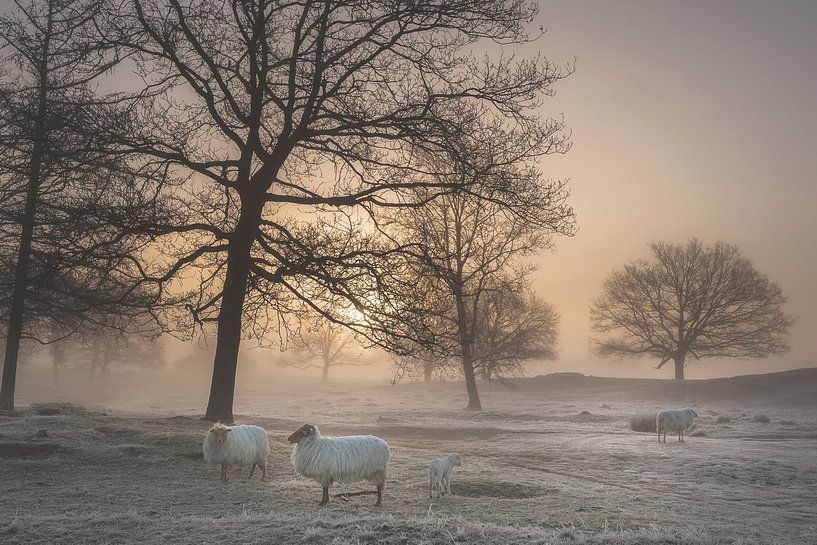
x=706 y=132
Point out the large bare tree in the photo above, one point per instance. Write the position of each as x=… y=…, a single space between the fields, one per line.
x=690 y=301
x=276 y=119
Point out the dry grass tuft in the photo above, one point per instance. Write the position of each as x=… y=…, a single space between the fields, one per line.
x=55 y=409
x=643 y=423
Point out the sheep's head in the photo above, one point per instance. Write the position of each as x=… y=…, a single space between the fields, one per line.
x=220 y=432
x=307 y=430
x=455 y=459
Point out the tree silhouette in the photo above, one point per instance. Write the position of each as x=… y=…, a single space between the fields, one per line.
x=472 y=242
x=277 y=121
x=58 y=188
x=325 y=345
x=513 y=326
x=690 y=301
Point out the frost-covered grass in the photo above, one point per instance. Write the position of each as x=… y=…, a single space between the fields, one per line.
x=534 y=471
x=326 y=527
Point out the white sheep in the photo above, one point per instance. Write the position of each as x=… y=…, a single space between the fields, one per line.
x=674 y=421
x=237 y=445
x=439 y=474
x=347 y=459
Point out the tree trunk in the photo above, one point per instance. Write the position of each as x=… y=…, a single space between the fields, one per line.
x=471 y=384
x=325 y=375
x=18 y=294
x=466 y=345
x=428 y=372
x=228 y=341
x=679 y=367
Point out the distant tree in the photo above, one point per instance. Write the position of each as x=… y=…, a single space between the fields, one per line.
x=514 y=326
x=274 y=115
x=690 y=301
x=125 y=351
x=420 y=363
x=324 y=346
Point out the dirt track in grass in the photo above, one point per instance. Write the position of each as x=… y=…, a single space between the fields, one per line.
x=535 y=469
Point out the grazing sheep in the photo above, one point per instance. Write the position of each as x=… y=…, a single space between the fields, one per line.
x=237 y=445
x=348 y=459
x=439 y=474
x=674 y=421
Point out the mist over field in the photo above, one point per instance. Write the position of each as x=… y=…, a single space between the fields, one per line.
x=445 y=272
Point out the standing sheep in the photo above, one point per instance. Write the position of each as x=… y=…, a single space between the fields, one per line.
x=348 y=459
x=674 y=421
x=439 y=474
x=237 y=445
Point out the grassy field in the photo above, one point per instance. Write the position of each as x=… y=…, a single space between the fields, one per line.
x=552 y=460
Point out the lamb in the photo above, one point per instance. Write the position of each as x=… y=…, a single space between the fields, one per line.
x=347 y=459
x=674 y=421
x=237 y=445
x=439 y=474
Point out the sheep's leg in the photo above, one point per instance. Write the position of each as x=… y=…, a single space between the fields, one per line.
x=379 y=494
x=448 y=486
x=249 y=477
x=430 y=489
x=263 y=472
x=325 y=498
x=224 y=473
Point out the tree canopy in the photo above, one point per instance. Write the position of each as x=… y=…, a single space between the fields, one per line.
x=692 y=301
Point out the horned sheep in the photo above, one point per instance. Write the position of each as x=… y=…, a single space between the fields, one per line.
x=346 y=459
x=439 y=474
x=674 y=421
x=237 y=445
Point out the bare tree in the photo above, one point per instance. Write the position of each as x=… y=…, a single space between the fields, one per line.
x=122 y=350
x=514 y=326
x=49 y=168
x=278 y=119
x=325 y=345
x=424 y=361
x=473 y=242
x=691 y=301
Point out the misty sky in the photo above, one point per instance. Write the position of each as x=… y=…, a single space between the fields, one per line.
x=689 y=119
x=694 y=118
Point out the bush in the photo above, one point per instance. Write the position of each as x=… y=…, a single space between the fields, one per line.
x=722 y=420
x=761 y=419
x=643 y=423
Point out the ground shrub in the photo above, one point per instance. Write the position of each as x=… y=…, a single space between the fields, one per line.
x=643 y=423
